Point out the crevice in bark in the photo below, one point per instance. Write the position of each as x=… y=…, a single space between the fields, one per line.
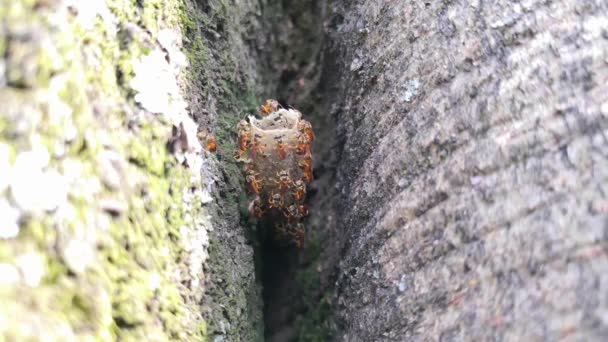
x=290 y=288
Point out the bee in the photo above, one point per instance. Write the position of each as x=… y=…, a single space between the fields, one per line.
x=307 y=176
x=256 y=147
x=280 y=147
x=243 y=127
x=207 y=141
x=243 y=142
x=270 y=106
x=302 y=146
x=300 y=190
x=291 y=213
x=238 y=157
x=253 y=183
x=306 y=128
x=302 y=210
x=275 y=201
x=244 y=132
x=304 y=164
x=211 y=145
x=284 y=181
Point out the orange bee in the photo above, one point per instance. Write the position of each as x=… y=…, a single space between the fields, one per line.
x=208 y=141
x=280 y=147
x=284 y=180
x=307 y=177
x=256 y=147
x=306 y=128
x=270 y=106
x=244 y=131
x=211 y=145
x=300 y=190
x=291 y=212
x=302 y=210
x=275 y=201
x=304 y=164
x=243 y=126
x=302 y=146
x=244 y=139
x=253 y=183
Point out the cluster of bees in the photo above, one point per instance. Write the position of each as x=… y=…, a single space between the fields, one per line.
x=277 y=164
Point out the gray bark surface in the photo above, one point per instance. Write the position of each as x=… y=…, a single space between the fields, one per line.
x=461 y=170
x=470 y=198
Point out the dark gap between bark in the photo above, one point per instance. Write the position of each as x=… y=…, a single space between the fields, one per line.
x=297 y=61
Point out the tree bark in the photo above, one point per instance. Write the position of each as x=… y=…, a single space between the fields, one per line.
x=118 y=222
x=471 y=186
x=461 y=170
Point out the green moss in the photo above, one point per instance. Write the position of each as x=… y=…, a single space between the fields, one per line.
x=151 y=157
x=125 y=11
x=37 y=232
x=213 y=44
x=114 y=298
x=199 y=56
x=4 y=128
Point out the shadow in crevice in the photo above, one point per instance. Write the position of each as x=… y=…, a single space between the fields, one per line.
x=279 y=291
x=295 y=66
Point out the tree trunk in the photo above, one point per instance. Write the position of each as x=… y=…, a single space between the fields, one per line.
x=460 y=162
x=471 y=188
x=117 y=221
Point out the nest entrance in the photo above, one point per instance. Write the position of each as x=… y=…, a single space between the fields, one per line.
x=282 y=119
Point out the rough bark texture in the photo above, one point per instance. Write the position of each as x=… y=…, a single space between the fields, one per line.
x=471 y=189
x=461 y=171
x=115 y=223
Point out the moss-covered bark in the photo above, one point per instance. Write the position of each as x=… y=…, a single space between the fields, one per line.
x=107 y=207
